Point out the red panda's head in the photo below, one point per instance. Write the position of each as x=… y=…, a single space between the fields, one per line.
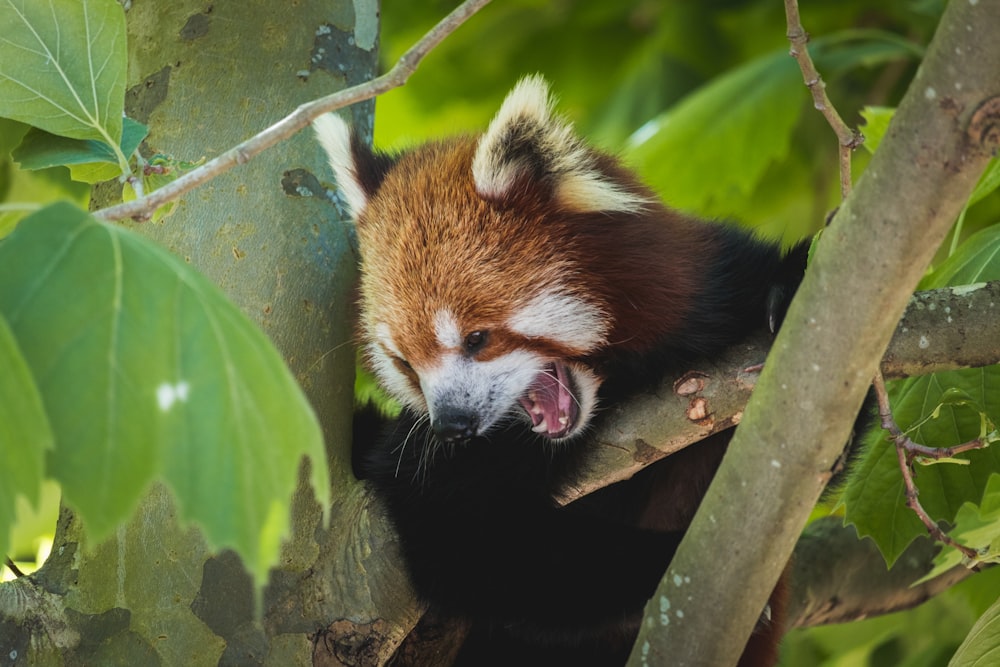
x=477 y=300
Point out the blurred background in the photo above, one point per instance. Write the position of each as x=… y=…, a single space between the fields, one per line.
x=702 y=99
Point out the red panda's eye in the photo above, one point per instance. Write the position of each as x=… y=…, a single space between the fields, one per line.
x=475 y=341
x=404 y=363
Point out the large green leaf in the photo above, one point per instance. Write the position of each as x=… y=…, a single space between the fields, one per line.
x=734 y=127
x=976 y=260
x=24 y=433
x=741 y=123
x=982 y=646
x=62 y=66
x=875 y=495
x=146 y=370
x=975 y=525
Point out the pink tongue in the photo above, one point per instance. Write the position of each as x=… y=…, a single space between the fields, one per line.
x=549 y=399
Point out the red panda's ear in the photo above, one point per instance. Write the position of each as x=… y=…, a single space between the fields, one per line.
x=359 y=170
x=527 y=143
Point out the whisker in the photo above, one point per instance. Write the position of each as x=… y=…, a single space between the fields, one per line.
x=326 y=354
x=402 y=445
x=568 y=391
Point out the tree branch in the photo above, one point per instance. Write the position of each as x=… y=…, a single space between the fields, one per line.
x=143 y=207
x=848 y=138
x=837 y=577
x=862 y=273
x=942 y=329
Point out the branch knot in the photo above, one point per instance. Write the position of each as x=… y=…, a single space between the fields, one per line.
x=984 y=126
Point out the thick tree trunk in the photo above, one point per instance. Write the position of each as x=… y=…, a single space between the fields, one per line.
x=205 y=76
x=860 y=278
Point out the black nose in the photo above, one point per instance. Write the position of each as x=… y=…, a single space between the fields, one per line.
x=454 y=426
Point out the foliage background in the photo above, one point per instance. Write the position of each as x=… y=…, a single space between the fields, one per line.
x=623 y=71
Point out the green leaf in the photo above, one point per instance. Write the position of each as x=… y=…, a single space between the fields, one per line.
x=877 y=121
x=734 y=128
x=741 y=123
x=41 y=150
x=148 y=371
x=875 y=495
x=24 y=433
x=976 y=260
x=30 y=190
x=981 y=645
x=988 y=182
x=977 y=525
x=11 y=133
x=62 y=66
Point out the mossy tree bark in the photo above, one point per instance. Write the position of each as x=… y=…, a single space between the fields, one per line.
x=272 y=234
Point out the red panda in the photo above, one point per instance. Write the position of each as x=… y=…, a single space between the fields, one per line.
x=514 y=286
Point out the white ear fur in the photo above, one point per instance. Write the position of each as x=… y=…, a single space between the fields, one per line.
x=524 y=133
x=334 y=135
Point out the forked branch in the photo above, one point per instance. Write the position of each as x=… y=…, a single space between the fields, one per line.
x=907 y=451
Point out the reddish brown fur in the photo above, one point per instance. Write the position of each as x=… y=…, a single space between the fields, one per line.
x=434 y=244
x=430 y=195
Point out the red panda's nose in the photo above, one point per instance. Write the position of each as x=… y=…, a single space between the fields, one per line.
x=454 y=425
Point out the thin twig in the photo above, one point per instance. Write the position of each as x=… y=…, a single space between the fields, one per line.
x=906 y=450
x=12 y=567
x=848 y=137
x=143 y=208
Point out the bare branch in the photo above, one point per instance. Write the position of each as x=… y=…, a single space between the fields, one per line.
x=12 y=566
x=836 y=577
x=849 y=138
x=906 y=449
x=941 y=329
x=945 y=329
x=860 y=278
x=143 y=207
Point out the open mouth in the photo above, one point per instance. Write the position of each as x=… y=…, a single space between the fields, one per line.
x=551 y=403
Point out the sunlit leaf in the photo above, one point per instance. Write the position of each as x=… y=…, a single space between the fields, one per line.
x=739 y=124
x=976 y=260
x=62 y=66
x=877 y=121
x=734 y=128
x=24 y=433
x=988 y=182
x=147 y=371
x=980 y=647
x=976 y=525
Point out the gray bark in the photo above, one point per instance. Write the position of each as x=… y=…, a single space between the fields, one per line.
x=204 y=77
x=862 y=274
